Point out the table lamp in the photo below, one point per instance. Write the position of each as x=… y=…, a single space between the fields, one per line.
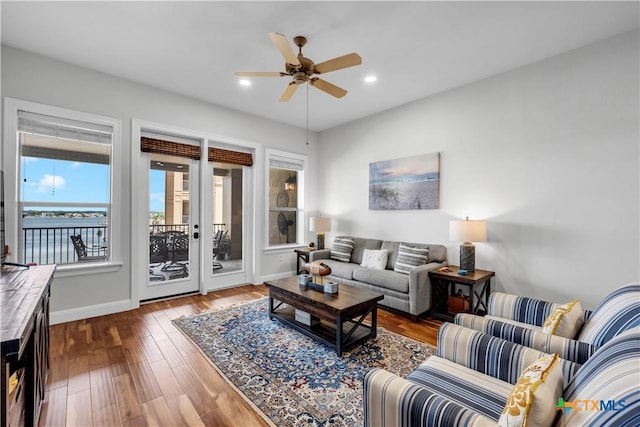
x=467 y=232
x=320 y=224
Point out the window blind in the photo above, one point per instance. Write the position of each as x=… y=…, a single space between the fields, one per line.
x=285 y=163
x=159 y=146
x=230 y=157
x=57 y=127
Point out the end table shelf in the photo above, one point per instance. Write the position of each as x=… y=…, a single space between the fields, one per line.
x=444 y=283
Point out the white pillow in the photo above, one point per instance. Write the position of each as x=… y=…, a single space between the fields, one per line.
x=376 y=259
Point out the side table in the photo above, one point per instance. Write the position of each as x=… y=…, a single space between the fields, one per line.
x=443 y=285
x=302 y=257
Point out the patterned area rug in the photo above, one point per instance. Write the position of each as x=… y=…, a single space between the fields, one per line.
x=293 y=379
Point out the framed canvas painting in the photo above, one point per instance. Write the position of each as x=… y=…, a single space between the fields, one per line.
x=406 y=183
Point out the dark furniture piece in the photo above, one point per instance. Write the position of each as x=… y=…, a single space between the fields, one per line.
x=158 y=250
x=219 y=248
x=24 y=302
x=83 y=252
x=302 y=257
x=178 y=249
x=443 y=286
x=341 y=315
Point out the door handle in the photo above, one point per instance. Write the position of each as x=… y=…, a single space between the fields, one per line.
x=196 y=235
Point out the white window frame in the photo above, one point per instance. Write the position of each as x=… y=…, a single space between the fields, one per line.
x=294 y=158
x=11 y=166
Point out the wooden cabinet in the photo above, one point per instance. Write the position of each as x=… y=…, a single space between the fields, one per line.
x=24 y=303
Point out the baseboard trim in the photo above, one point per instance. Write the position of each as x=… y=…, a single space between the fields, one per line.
x=89 y=311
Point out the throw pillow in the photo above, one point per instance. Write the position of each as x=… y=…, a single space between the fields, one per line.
x=565 y=321
x=376 y=259
x=410 y=257
x=533 y=397
x=341 y=248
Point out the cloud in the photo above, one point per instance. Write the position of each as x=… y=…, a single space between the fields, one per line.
x=76 y=165
x=51 y=182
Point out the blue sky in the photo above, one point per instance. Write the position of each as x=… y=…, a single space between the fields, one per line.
x=156 y=191
x=49 y=180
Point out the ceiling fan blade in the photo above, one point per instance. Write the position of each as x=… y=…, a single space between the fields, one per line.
x=338 y=63
x=258 y=74
x=285 y=49
x=330 y=88
x=288 y=92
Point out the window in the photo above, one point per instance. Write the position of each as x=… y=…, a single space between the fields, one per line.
x=65 y=177
x=285 y=204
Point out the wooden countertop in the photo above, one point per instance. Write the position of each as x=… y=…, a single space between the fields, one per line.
x=21 y=290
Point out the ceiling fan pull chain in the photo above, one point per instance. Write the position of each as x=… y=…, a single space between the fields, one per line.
x=307 y=114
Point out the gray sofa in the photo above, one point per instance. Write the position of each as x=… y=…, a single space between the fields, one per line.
x=409 y=293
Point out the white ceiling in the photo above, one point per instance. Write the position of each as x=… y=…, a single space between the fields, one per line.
x=416 y=49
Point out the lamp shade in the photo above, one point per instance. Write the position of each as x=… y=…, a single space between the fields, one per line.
x=468 y=231
x=319 y=224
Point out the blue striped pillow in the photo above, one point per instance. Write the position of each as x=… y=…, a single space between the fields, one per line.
x=410 y=257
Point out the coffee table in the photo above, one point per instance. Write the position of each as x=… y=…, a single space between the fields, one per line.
x=341 y=314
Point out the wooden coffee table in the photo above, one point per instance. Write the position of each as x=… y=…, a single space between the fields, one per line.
x=341 y=314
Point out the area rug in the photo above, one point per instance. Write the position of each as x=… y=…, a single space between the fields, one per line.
x=291 y=378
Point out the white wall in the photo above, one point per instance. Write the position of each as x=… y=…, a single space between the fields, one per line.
x=35 y=78
x=547 y=154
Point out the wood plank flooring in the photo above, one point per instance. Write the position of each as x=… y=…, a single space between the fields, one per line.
x=136 y=369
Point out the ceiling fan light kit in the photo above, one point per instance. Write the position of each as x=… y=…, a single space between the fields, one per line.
x=302 y=69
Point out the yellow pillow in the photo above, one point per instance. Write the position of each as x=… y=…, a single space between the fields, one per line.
x=565 y=321
x=537 y=390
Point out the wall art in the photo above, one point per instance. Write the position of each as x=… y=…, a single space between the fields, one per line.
x=406 y=183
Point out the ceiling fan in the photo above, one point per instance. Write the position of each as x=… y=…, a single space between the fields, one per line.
x=303 y=69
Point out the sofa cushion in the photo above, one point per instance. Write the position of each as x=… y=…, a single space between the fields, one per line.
x=339 y=269
x=342 y=248
x=437 y=253
x=376 y=259
x=360 y=245
x=537 y=390
x=482 y=393
x=383 y=278
x=410 y=257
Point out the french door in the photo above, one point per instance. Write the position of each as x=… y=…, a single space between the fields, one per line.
x=174 y=227
x=189 y=231
x=225 y=262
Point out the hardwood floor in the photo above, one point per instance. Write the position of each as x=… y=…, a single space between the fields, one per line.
x=136 y=369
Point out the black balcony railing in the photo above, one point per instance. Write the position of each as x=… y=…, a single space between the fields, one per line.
x=155 y=229
x=53 y=245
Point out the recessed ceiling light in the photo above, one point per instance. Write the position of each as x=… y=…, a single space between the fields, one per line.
x=244 y=82
x=370 y=79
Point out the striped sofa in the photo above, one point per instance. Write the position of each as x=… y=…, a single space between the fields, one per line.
x=470 y=379
x=519 y=319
